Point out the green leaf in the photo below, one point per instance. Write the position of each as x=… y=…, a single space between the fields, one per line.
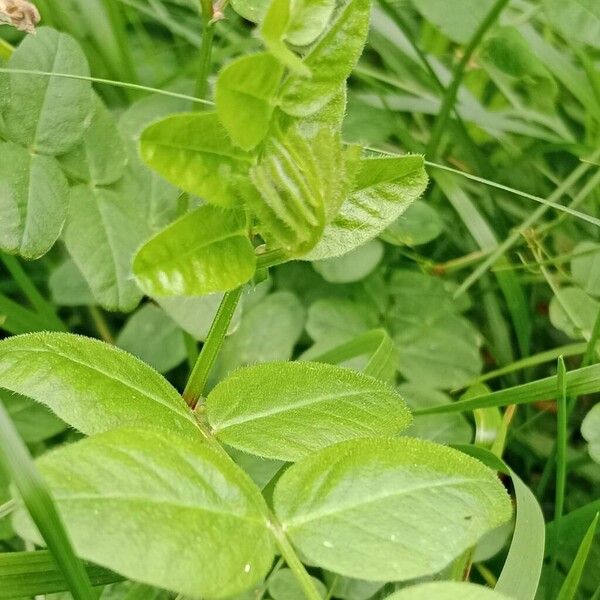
x=383 y=189
x=307 y=20
x=444 y=429
x=34 y=197
x=155 y=497
x=590 y=430
x=205 y=251
x=573 y=312
x=419 y=224
x=68 y=286
x=273 y=29
x=349 y=588
x=520 y=575
x=284 y=586
x=289 y=410
x=245 y=97
x=297 y=186
x=353 y=266
x=435 y=344
x=48 y=114
x=195 y=314
x=458 y=21
x=268 y=332
x=154 y=338
x=193 y=152
x=586 y=267
x=26 y=574
x=103 y=231
x=330 y=61
x=91 y=385
x=34 y=422
x=447 y=590
x=577 y=20
x=388 y=509
x=100 y=159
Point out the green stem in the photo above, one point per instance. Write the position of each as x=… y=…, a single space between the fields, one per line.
x=561 y=465
x=101 y=325
x=452 y=90
x=208 y=34
x=199 y=376
x=43 y=307
x=293 y=562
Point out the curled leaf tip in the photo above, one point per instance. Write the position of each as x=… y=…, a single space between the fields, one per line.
x=19 y=13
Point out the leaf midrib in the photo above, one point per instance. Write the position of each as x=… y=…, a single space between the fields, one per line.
x=378 y=498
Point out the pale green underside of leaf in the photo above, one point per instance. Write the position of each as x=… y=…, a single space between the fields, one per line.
x=576 y=19
x=376 y=509
x=152 y=336
x=160 y=510
x=91 y=385
x=244 y=94
x=330 y=61
x=590 y=430
x=34 y=197
x=103 y=231
x=289 y=410
x=383 y=189
x=193 y=152
x=101 y=157
x=48 y=114
x=203 y=252
x=447 y=590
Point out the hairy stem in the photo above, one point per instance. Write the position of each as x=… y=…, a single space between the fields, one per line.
x=452 y=90
x=199 y=376
x=204 y=59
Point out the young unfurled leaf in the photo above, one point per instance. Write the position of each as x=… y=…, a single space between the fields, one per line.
x=245 y=97
x=273 y=29
x=383 y=189
x=92 y=386
x=297 y=187
x=161 y=510
x=388 y=509
x=103 y=231
x=447 y=590
x=331 y=61
x=100 y=159
x=48 y=114
x=34 y=197
x=205 y=251
x=289 y=410
x=193 y=152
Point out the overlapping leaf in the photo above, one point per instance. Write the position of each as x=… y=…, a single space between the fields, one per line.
x=92 y=386
x=289 y=410
x=159 y=509
x=374 y=509
x=205 y=251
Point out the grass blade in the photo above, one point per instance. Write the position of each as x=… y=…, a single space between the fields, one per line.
x=26 y=574
x=17 y=462
x=569 y=588
x=580 y=381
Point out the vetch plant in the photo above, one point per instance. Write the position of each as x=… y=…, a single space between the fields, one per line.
x=299 y=479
